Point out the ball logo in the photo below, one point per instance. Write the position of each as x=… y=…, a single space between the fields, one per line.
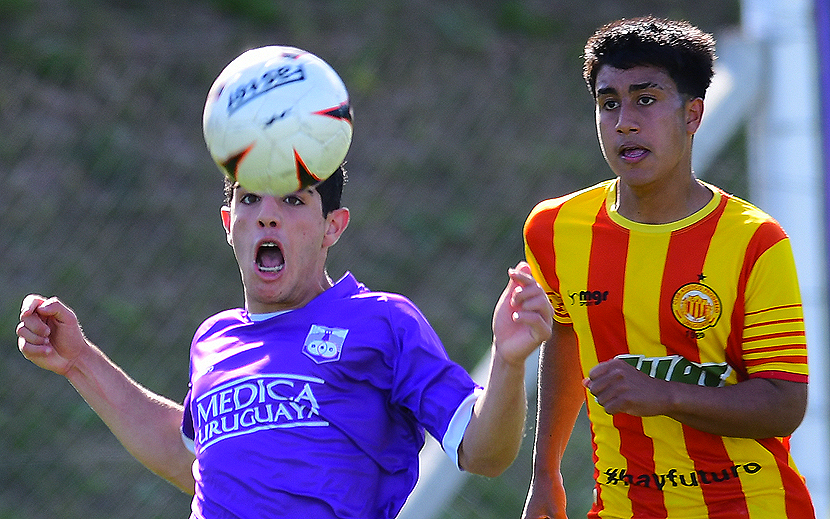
x=269 y=80
x=324 y=344
x=696 y=306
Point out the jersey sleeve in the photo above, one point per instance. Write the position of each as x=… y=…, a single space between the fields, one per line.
x=188 y=431
x=541 y=256
x=560 y=313
x=458 y=426
x=427 y=381
x=774 y=340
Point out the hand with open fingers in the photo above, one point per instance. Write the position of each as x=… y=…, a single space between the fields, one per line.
x=523 y=316
x=621 y=388
x=49 y=334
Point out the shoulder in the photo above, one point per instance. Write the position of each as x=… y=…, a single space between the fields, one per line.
x=393 y=317
x=394 y=305
x=739 y=212
x=350 y=298
x=585 y=200
x=597 y=191
x=220 y=321
x=578 y=208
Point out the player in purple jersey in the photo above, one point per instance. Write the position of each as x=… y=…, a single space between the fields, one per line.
x=314 y=398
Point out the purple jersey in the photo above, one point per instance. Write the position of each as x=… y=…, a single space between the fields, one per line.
x=318 y=412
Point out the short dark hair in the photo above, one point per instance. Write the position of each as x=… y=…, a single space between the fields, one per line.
x=685 y=52
x=330 y=190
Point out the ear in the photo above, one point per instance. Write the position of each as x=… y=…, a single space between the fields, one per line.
x=226 y=222
x=336 y=223
x=694 y=114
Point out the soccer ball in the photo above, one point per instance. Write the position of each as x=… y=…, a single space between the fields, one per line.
x=277 y=119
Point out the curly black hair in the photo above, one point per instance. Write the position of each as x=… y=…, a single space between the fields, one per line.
x=685 y=52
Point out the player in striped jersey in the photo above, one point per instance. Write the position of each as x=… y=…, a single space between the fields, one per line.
x=677 y=308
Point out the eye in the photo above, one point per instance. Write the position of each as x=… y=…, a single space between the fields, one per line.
x=645 y=100
x=249 y=198
x=609 y=104
x=293 y=200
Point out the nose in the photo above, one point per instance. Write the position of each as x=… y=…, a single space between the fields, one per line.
x=269 y=214
x=627 y=120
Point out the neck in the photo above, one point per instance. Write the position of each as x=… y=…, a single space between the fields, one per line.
x=262 y=300
x=659 y=205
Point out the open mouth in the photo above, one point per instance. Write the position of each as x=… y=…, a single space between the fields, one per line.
x=633 y=152
x=269 y=257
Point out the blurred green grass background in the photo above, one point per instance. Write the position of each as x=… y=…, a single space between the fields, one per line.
x=467 y=113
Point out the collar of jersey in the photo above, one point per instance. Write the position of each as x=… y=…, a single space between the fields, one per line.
x=622 y=221
x=344 y=286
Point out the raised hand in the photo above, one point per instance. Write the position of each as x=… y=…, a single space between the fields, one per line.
x=523 y=316
x=49 y=334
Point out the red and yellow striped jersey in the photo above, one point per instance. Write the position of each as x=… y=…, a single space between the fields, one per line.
x=712 y=299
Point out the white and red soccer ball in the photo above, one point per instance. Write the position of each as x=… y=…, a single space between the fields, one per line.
x=278 y=119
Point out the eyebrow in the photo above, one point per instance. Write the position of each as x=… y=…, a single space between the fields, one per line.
x=636 y=87
x=643 y=86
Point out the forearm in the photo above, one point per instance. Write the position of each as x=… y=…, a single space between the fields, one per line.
x=560 y=397
x=146 y=424
x=755 y=408
x=494 y=434
x=521 y=321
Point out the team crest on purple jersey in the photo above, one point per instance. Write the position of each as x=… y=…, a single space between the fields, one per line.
x=324 y=344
